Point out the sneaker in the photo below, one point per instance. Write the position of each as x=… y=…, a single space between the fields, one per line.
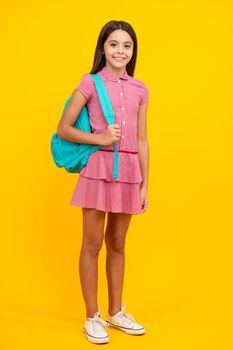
x=125 y=322
x=94 y=330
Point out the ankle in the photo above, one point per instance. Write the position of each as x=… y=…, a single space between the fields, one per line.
x=113 y=312
x=90 y=314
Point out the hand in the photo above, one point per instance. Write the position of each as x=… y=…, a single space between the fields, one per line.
x=144 y=198
x=112 y=134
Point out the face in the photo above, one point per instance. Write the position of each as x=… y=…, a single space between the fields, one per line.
x=118 y=50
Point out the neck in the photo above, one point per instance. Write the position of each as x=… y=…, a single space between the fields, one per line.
x=116 y=71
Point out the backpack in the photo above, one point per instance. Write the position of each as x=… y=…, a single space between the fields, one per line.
x=74 y=156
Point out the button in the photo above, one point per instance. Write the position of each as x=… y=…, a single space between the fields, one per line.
x=123 y=136
x=123 y=122
x=119 y=80
x=121 y=93
x=122 y=108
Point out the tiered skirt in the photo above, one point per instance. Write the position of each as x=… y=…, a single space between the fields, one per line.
x=97 y=189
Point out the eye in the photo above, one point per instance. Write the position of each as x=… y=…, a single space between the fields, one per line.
x=127 y=46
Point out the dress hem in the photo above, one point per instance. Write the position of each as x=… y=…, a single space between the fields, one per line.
x=111 y=211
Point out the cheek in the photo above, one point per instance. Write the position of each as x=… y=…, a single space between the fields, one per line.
x=108 y=51
x=111 y=49
x=130 y=53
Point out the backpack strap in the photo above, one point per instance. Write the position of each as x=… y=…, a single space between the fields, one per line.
x=108 y=114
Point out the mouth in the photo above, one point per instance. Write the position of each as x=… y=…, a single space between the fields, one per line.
x=119 y=59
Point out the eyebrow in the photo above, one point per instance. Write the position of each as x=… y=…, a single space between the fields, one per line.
x=124 y=42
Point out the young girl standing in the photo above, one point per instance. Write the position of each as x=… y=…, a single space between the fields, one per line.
x=97 y=192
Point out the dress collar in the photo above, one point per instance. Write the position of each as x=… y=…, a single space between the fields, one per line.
x=111 y=76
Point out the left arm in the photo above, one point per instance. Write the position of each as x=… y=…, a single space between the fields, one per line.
x=143 y=150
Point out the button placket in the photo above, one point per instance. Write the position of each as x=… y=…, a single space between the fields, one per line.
x=122 y=106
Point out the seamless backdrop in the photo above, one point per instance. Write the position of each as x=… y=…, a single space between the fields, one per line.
x=178 y=277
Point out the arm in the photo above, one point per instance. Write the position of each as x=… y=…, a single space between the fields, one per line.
x=65 y=128
x=143 y=147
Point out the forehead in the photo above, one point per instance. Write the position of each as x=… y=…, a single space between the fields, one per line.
x=120 y=36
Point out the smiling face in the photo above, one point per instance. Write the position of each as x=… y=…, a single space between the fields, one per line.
x=118 y=50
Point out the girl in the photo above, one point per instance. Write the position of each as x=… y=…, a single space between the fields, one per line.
x=97 y=192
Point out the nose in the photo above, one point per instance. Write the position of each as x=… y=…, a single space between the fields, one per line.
x=120 y=51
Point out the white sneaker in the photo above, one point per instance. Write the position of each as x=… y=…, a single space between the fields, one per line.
x=125 y=322
x=94 y=330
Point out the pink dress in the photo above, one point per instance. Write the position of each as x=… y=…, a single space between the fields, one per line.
x=96 y=188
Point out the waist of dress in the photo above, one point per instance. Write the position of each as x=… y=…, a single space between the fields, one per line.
x=123 y=151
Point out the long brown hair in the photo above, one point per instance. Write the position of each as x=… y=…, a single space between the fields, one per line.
x=108 y=28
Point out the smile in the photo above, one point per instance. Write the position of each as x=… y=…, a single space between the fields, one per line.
x=119 y=58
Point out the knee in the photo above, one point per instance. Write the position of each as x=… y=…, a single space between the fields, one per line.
x=92 y=247
x=114 y=243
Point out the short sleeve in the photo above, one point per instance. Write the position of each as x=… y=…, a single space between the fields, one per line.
x=144 y=94
x=86 y=86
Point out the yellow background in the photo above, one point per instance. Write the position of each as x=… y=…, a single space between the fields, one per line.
x=179 y=253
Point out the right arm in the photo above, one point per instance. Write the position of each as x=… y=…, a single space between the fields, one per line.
x=66 y=131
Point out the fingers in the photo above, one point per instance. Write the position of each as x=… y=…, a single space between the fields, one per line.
x=116 y=126
x=115 y=129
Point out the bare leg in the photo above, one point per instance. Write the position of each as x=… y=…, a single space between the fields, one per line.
x=92 y=240
x=117 y=226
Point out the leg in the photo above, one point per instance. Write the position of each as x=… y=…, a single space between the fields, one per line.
x=117 y=226
x=92 y=240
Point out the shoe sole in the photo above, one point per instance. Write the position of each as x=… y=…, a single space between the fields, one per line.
x=96 y=340
x=126 y=330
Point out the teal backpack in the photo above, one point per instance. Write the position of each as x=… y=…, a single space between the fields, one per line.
x=74 y=156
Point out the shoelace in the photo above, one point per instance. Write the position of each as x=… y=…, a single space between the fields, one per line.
x=98 y=319
x=128 y=316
